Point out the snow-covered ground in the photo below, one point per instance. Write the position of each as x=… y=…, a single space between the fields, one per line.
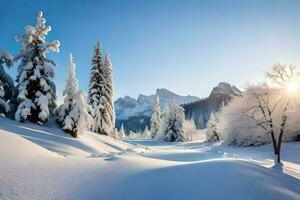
x=45 y=163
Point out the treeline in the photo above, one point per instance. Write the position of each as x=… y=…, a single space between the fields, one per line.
x=33 y=98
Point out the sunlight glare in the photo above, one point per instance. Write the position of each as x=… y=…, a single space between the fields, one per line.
x=292 y=87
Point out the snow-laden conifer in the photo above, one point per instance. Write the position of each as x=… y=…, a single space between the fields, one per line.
x=94 y=85
x=79 y=118
x=146 y=133
x=155 y=118
x=73 y=114
x=70 y=91
x=211 y=133
x=172 y=129
x=122 y=132
x=104 y=111
x=7 y=88
x=36 y=90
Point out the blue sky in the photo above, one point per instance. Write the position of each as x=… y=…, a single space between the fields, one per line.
x=186 y=46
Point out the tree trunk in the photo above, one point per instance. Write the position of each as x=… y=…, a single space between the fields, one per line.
x=278 y=157
x=282 y=126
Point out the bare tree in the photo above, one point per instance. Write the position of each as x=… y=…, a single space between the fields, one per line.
x=274 y=99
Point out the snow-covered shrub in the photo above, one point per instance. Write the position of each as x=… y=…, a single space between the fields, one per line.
x=242 y=124
x=189 y=129
x=7 y=87
x=212 y=134
x=73 y=114
x=114 y=133
x=101 y=96
x=172 y=128
x=133 y=135
x=155 y=118
x=36 y=91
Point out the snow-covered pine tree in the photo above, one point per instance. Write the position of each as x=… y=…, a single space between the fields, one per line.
x=104 y=111
x=7 y=87
x=69 y=93
x=211 y=133
x=73 y=113
x=109 y=94
x=173 y=124
x=94 y=85
x=155 y=118
x=79 y=117
x=122 y=132
x=146 y=134
x=36 y=91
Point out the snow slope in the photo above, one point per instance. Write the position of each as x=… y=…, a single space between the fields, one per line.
x=44 y=163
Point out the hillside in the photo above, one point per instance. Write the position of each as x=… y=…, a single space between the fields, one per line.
x=200 y=110
x=44 y=163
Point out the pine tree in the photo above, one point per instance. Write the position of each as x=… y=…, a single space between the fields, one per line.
x=211 y=133
x=36 y=91
x=122 y=132
x=73 y=114
x=94 y=86
x=70 y=91
x=104 y=111
x=108 y=94
x=79 y=117
x=156 y=118
x=7 y=88
x=146 y=134
x=172 y=130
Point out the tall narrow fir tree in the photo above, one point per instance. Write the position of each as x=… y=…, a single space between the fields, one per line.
x=156 y=118
x=101 y=96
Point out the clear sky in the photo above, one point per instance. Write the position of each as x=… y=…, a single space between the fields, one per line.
x=186 y=46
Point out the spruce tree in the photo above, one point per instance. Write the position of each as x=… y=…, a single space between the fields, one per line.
x=79 y=117
x=69 y=93
x=172 y=130
x=7 y=88
x=104 y=113
x=94 y=85
x=122 y=132
x=146 y=134
x=36 y=90
x=155 y=118
x=211 y=133
x=73 y=114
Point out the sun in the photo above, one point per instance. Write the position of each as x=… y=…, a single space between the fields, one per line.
x=292 y=87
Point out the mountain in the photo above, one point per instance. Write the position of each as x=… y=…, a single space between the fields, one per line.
x=200 y=110
x=142 y=106
x=225 y=88
x=135 y=113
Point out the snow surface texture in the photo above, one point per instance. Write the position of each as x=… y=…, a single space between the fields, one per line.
x=45 y=163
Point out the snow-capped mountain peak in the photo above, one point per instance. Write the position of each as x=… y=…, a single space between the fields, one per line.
x=127 y=106
x=225 y=88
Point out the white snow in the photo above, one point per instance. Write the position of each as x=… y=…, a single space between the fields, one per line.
x=45 y=163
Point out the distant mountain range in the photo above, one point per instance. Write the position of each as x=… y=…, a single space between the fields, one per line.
x=135 y=113
x=142 y=106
